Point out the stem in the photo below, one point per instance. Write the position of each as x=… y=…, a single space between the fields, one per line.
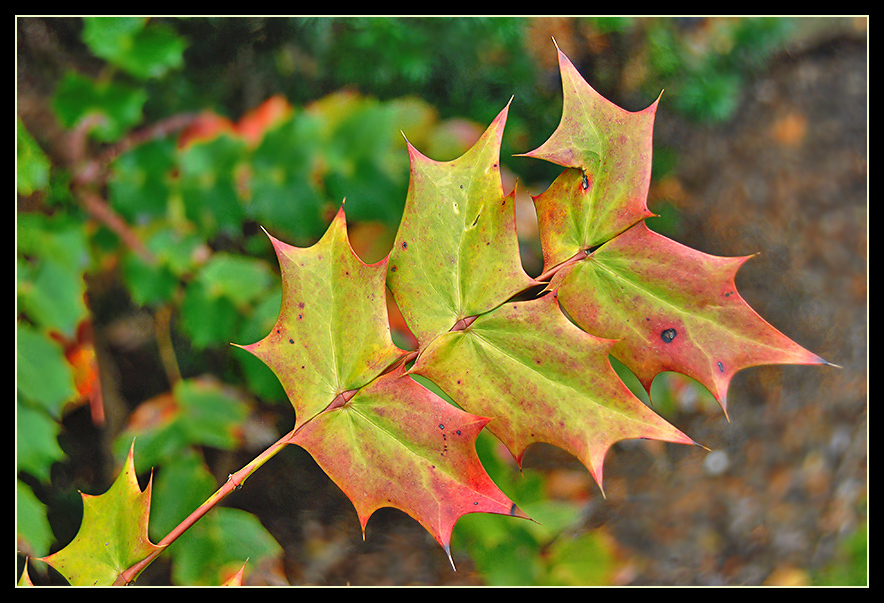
x=234 y=482
x=546 y=276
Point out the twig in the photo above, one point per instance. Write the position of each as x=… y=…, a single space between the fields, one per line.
x=234 y=482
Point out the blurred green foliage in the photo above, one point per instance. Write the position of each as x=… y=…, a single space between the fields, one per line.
x=351 y=88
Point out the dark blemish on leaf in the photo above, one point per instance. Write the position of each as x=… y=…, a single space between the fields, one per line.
x=404 y=245
x=668 y=335
x=291 y=341
x=476 y=220
x=301 y=305
x=513 y=509
x=729 y=293
x=721 y=367
x=300 y=316
x=458 y=431
x=476 y=503
x=392 y=268
x=441 y=426
x=585 y=183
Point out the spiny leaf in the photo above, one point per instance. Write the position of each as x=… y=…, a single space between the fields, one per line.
x=397 y=444
x=383 y=438
x=672 y=308
x=456 y=252
x=113 y=534
x=542 y=380
x=332 y=335
x=609 y=152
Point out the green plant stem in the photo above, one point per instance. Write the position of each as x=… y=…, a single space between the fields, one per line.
x=234 y=482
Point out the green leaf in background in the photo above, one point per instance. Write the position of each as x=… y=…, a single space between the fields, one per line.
x=141 y=49
x=207 y=319
x=37 y=452
x=43 y=374
x=209 y=187
x=240 y=279
x=52 y=256
x=33 y=532
x=285 y=196
x=217 y=546
x=198 y=411
x=116 y=106
x=220 y=294
x=139 y=186
x=32 y=166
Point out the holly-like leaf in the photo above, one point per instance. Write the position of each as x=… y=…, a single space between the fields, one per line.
x=397 y=444
x=672 y=308
x=456 y=252
x=112 y=535
x=608 y=152
x=383 y=438
x=332 y=335
x=542 y=380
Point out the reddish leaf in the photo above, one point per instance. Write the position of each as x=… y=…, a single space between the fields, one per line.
x=397 y=444
x=672 y=308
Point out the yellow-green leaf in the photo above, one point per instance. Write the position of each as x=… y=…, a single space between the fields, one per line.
x=113 y=534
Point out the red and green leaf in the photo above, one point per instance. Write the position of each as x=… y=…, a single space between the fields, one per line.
x=608 y=152
x=672 y=308
x=542 y=380
x=397 y=444
x=332 y=335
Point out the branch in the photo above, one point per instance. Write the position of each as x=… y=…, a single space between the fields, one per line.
x=234 y=482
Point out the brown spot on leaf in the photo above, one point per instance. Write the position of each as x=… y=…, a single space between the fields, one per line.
x=668 y=335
